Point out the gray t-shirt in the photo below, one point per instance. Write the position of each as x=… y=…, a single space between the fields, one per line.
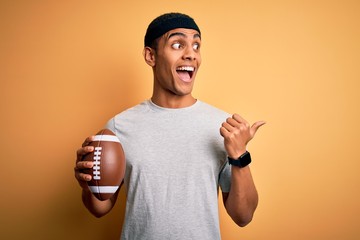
x=175 y=162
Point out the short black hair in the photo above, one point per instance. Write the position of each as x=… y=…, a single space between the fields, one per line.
x=165 y=23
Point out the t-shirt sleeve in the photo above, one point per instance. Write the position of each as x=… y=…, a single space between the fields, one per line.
x=225 y=178
x=111 y=125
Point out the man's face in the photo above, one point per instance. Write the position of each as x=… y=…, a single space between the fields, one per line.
x=177 y=59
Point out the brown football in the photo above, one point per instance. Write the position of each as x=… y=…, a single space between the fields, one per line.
x=109 y=164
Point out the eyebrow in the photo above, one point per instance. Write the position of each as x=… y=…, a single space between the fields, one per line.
x=196 y=35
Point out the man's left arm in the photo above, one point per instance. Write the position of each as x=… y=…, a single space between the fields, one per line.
x=242 y=200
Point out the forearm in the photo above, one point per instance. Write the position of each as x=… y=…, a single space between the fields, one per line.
x=242 y=199
x=96 y=207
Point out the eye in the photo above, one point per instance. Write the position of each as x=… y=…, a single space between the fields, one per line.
x=196 y=46
x=176 y=46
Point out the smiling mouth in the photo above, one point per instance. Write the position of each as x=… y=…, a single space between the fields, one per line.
x=185 y=73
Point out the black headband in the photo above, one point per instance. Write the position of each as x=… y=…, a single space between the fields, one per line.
x=167 y=22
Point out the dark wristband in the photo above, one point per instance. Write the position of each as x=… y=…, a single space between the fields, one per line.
x=242 y=161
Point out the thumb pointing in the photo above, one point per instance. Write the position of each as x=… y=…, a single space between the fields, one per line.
x=255 y=127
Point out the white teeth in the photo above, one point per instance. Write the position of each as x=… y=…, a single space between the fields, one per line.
x=186 y=68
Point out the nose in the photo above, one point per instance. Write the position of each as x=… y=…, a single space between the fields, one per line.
x=189 y=53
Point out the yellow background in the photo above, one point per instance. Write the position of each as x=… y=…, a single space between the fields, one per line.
x=66 y=67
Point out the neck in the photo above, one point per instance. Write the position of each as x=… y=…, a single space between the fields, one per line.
x=174 y=101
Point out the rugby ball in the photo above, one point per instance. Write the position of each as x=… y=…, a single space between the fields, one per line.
x=109 y=165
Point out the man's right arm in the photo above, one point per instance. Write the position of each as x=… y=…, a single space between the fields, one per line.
x=95 y=206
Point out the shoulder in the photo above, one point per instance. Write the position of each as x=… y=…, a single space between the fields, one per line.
x=128 y=115
x=207 y=108
x=140 y=108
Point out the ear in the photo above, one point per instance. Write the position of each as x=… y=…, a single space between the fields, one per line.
x=149 y=56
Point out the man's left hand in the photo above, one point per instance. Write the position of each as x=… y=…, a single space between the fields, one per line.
x=237 y=133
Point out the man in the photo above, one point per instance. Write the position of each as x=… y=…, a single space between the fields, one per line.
x=178 y=149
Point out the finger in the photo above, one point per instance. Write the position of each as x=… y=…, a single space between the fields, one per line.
x=79 y=168
x=238 y=118
x=82 y=176
x=88 y=140
x=81 y=165
x=224 y=132
x=256 y=126
x=83 y=151
x=85 y=177
x=234 y=123
x=227 y=126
